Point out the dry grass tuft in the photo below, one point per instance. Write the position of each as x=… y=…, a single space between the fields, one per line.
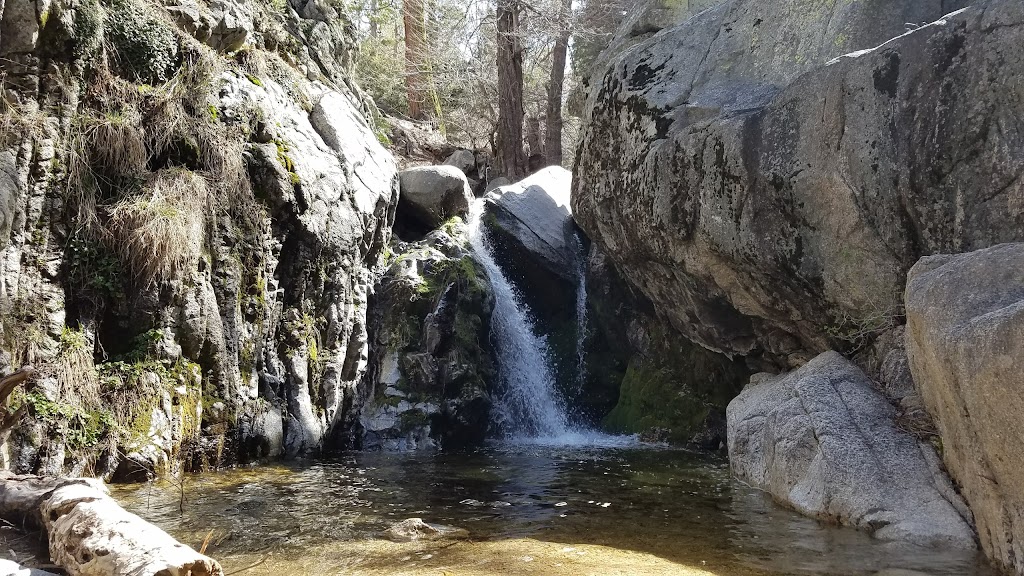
x=161 y=232
x=115 y=142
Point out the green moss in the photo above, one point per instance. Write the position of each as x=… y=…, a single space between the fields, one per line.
x=254 y=80
x=286 y=161
x=650 y=397
x=412 y=420
x=675 y=387
x=80 y=428
x=133 y=399
x=145 y=47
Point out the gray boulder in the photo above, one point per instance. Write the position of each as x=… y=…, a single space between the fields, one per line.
x=824 y=442
x=497 y=183
x=232 y=26
x=432 y=194
x=766 y=173
x=463 y=160
x=965 y=341
x=535 y=214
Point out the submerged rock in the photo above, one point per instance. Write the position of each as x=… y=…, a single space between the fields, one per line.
x=823 y=441
x=416 y=529
x=965 y=339
x=766 y=173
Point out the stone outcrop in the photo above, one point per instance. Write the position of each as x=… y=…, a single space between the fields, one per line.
x=431 y=361
x=534 y=213
x=202 y=294
x=965 y=340
x=823 y=441
x=766 y=175
x=431 y=195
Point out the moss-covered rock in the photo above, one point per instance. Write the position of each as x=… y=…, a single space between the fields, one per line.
x=432 y=368
x=644 y=377
x=145 y=47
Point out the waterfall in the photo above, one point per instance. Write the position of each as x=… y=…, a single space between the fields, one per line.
x=528 y=406
x=581 y=314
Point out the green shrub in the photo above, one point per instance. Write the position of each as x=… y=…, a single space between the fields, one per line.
x=145 y=48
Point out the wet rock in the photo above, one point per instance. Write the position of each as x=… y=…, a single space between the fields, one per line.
x=431 y=365
x=769 y=196
x=432 y=194
x=416 y=529
x=261 y=433
x=824 y=441
x=643 y=377
x=965 y=339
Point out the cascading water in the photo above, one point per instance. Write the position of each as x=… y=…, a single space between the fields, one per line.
x=529 y=405
x=581 y=314
x=528 y=408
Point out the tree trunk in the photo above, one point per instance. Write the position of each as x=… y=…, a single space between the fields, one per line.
x=553 y=134
x=511 y=158
x=91 y=535
x=533 y=137
x=415 y=57
x=374 y=28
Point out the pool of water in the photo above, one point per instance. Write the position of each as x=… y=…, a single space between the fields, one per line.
x=528 y=510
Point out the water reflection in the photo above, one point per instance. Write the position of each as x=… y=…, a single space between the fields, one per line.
x=672 y=506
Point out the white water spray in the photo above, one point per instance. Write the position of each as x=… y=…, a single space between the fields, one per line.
x=528 y=409
x=581 y=315
x=528 y=406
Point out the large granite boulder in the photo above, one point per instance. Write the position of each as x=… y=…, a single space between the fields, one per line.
x=965 y=340
x=535 y=214
x=432 y=194
x=824 y=442
x=767 y=173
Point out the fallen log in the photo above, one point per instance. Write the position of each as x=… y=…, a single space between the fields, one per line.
x=90 y=534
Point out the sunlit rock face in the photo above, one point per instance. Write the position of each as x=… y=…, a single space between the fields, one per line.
x=822 y=440
x=767 y=187
x=965 y=340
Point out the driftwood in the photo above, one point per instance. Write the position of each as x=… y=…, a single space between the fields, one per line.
x=7 y=385
x=91 y=535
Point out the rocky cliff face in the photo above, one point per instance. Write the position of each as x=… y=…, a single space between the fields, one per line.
x=191 y=205
x=767 y=174
x=965 y=338
x=431 y=359
x=767 y=187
